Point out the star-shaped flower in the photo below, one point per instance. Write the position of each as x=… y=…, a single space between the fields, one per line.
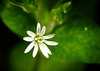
x=38 y=40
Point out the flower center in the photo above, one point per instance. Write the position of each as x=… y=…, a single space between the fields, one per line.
x=38 y=38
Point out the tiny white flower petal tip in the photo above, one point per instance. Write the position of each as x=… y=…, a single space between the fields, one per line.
x=52 y=43
x=38 y=28
x=38 y=40
x=30 y=33
x=27 y=38
x=49 y=36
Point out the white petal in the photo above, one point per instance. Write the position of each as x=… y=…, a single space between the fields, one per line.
x=43 y=51
x=46 y=48
x=27 y=38
x=43 y=30
x=30 y=46
x=50 y=42
x=49 y=36
x=38 y=28
x=30 y=33
x=35 y=50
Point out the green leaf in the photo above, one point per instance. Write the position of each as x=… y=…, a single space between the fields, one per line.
x=19 y=61
x=17 y=21
x=76 y=43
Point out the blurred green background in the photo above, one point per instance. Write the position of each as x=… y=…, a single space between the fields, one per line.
x=76 y=26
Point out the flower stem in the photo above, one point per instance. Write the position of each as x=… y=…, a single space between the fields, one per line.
x=37 y=63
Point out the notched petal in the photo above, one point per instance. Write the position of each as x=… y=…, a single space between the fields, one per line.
x=47 y=49
x=43 y=30
x=43 y=51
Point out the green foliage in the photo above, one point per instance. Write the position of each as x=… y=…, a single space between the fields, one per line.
x=33 y=11
x=78 y=37
x=18 y=21
x=77 y=44
x=59 y=14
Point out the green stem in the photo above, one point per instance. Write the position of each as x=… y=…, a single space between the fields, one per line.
x=37 y=63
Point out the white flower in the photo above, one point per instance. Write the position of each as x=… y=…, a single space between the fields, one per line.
x=38 y=40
